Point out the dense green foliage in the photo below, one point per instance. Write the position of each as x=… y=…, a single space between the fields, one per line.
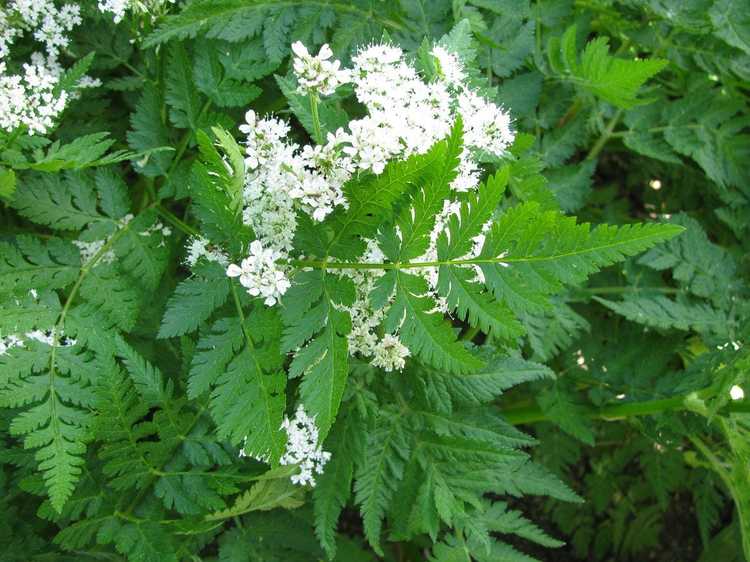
x=574 y=405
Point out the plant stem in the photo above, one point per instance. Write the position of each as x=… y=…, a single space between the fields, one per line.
x=325 y=264
x=606 y=135
x=518 y=416
x=177 y=222
x=315 y=117
x=184 y=141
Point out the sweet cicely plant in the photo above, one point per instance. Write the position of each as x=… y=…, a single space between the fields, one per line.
x=311 y=333
x=377 y=253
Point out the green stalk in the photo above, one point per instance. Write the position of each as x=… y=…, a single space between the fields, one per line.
x=177 y=222
x=318 y=133
x=518 y=416
x=606 y=135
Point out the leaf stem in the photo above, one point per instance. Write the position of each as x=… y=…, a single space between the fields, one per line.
x=613 y=412
x=318 y=133
x=177 y=222
x=184 y=141
x=606 y=135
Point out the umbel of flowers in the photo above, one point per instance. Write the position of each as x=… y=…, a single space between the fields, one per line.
x=31 y=96
x=405 y=114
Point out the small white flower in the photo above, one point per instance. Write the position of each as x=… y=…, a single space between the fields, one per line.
x=450 y=68
x=198 y=247
x=390 y=354
x=736 y=393
x=9 y=342
x=486 y=126
x=260 y=274
x=90 y=249
x=116 y=7
x=317 y=74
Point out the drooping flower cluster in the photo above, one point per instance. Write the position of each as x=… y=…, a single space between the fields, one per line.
x=404 y=115
x=260 y=274
x=302 y=448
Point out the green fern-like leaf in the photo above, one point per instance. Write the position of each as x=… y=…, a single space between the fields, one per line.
x=51 y=385
x=372 y=200
x=194 y=300
x=613 y=79
x=62 y=201
x=323 y=363
x=247 y=398
x=417 y=220
x=334 y=486
x=29 y=262
x=530 y=255
x=386 y=450
x=424 y=330
x=560 y=406
x=149 y=133
x=662 y=312
x=181 y=94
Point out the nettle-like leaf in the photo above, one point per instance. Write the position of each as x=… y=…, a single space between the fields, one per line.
x=613 y=79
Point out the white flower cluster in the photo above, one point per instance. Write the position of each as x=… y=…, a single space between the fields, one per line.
x=387 y=352
x=405 y=115
x=449 y=68
x=89 y=248
x=47 y=337
x=199 y=247
x=317 y=75
x=28 y=94
x=118 y=7
x=260 y=274
x=302 y=448
x=390 y=354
